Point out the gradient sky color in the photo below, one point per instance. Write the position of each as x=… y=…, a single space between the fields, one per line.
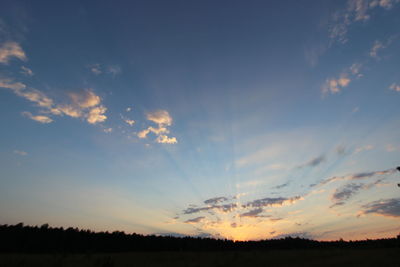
x=230 y=119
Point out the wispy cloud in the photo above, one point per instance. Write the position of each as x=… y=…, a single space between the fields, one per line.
x=355 y=11
x=195 y=220
x=380 y=45
x=395 y=87
x=356 y=176
x=96 y=69
x=26 y=71
x=9 y=50
x=163 y=121
x=313 y=162
x=108 y=130
x=114 y=70
x=20 y=152
x=252 y=213
x=39 y=118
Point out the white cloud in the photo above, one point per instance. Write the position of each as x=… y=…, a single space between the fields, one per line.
x=26 y=71
x=108 y=130
x=80 y=104
x=163 y=120
x=85 y=99
x=355 y=11
x=20 y=152
x=10 y=50
x=130 y=122
x=395 y=87
x=164 y=139
x=38 y=118
x=128 y=109
x=96 y=115
x=160 y=117
x=336 y=85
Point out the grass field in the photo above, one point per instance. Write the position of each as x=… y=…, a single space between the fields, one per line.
x=334 y=257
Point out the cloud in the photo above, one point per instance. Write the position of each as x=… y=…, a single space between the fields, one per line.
x=26 y=71
x=380 y=45
x=96 y=69
x=39 y=118
x=375 y=48
x=195 y=220
x=79 y=104
x=224 y=208
x=160 y=117
x=252 y=213
x=85 y=98
x=114 y=70
x=363 y=148
x=163 y=120
x=20 y=152
x=108 y=130
x=344 y=193
x=356 y=176
x=384 y=207
x=215 y=200
x=336 y=85
x=96 y=115
x=10 y=50
x=395 y=87
x=274 y=201
x=355 y=11
x=313 y=162
x=164 y=139
x=341 y=150
x=281 y=185
x=30 y=94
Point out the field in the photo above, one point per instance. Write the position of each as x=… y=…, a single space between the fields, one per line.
x=316 y=257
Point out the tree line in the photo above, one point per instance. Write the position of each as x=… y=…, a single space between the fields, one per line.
x=46 y=239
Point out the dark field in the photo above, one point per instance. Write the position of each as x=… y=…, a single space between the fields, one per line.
x=316 y=257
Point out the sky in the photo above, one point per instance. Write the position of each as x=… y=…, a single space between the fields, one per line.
x=244 y=120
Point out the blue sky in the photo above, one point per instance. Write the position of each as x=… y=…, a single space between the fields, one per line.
x=234 y=119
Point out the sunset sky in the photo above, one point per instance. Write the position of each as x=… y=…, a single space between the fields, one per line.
x=229 y=119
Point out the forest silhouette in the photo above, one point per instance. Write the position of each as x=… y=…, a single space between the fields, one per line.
x=45 y=239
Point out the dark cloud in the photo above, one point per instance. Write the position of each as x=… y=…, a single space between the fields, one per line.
x=195 y=220
x=356 y=176
x=345 y=192
x=341 y=150
x=215 y=200
x=385 y=207
x=252 y=213
x=270 y=201
x=314 y=162
x=281 y=185
x=224 y=208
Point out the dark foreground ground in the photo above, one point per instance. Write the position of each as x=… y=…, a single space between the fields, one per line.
x=315 y=257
